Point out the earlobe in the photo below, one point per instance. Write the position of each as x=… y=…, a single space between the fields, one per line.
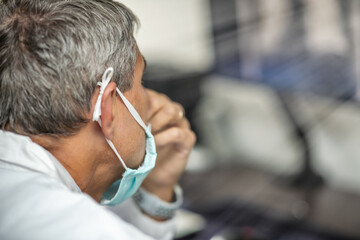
x=107 y=105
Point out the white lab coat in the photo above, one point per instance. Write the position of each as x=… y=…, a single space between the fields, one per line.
x=40 y=200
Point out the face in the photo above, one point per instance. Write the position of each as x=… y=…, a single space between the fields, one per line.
x=129 y=137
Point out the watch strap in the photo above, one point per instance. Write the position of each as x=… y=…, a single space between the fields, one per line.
x=154 y=206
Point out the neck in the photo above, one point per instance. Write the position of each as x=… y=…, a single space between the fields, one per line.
x=88 y=166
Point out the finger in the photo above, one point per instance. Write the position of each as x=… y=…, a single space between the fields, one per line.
x=156 y=102
x=169 y=115
x=175 y=135
x=183 y=123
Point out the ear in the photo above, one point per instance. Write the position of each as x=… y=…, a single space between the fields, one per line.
x=107 y=105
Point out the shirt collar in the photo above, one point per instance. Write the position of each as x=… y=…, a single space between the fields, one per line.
x=18 y=151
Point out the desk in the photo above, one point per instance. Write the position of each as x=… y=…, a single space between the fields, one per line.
x=326 y=208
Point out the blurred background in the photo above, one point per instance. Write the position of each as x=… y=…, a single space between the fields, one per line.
x=271 y=87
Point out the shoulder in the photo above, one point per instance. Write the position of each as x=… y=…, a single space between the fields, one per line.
x=36 y=206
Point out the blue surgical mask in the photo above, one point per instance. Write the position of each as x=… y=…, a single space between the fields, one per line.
x=131 y=179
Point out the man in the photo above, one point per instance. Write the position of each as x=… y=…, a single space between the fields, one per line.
x=75 y=123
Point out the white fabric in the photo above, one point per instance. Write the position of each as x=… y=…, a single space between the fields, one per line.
x=132 y=110
x=40 y=200
x=131 y=213
x=105 y=81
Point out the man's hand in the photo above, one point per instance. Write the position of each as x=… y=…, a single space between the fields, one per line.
x=174 y=141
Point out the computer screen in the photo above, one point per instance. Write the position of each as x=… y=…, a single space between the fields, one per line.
x=311 y=46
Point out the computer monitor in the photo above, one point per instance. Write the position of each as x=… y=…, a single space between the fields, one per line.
x=293 y=46
x=309 y=46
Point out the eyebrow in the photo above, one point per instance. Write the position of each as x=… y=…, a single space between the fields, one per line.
x=145 y=63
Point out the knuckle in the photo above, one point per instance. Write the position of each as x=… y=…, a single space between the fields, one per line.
x=170 y=110
x=178 y=105
x=155 y=103
x=177 y=133
x=163 y=97
x=157 y=100
x=187 y=123
x=192 y=137
x=180 y=108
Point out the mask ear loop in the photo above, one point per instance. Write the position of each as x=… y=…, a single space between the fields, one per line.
x=116 y=153
x=132 y=110
x=105 y=81
x=97 y=109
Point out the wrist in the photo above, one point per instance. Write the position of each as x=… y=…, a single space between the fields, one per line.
x=157 y=208
x=165 y=193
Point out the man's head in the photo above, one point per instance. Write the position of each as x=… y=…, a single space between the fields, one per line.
x=52 y=54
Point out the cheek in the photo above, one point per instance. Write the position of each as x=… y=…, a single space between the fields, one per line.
x=147 y=106
x=138 y=149
x=142 y=106
x=129 y=140
x=132 y=132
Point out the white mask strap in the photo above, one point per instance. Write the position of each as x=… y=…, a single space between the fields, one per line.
x=105 y=81
x=132 y=110
x=116 y=153
x=97 y=110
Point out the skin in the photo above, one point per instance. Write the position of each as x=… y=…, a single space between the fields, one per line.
x=92 y=163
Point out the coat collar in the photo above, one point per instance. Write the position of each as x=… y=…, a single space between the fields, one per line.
x=19 y=152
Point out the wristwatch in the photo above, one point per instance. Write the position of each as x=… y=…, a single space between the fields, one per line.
x=154 y=206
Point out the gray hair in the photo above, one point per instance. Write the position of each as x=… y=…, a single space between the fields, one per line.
x=52 y=54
